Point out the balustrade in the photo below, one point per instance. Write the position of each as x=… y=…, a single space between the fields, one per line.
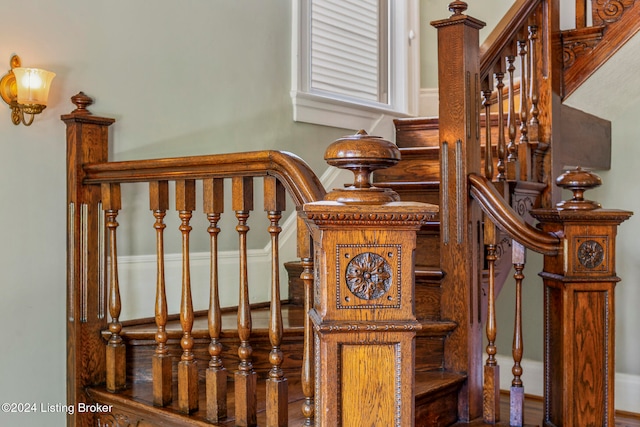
x=521 y=163
x=281 y=173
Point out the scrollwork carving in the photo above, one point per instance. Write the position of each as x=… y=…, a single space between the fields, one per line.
x=114 y=420
x=608 y=11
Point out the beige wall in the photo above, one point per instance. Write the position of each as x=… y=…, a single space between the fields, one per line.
x=181 y=78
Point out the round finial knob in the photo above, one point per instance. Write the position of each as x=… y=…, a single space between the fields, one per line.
x=81 y=101
x=578 y=180
x=457 y=7
x=362 y=154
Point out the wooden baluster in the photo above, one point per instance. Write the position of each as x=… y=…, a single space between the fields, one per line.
x=524 y=94
x=491 y=389
x=516 y=417
x=161 y=361
x=308 y=381
x=488 y=154
x=512 y=149
x=187 y=368
x=502 y=146
x=115 y=353
x=216 y=375
x=245 y=376
x=524 y=148
x=581 y=14
x=277 y=388
x=533 y=87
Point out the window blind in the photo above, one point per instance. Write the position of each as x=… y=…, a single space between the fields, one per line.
x=349 y=48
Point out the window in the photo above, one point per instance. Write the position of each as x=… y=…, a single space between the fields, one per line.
x=354 y=61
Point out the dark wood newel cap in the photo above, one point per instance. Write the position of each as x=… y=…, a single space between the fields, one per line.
x=362 y=154
x=578 y=180
x=81 y=101
x=457 y=7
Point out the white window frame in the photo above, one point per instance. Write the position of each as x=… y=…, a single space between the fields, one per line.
x=337 y=111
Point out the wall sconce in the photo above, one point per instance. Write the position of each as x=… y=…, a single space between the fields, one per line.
x=25 y=90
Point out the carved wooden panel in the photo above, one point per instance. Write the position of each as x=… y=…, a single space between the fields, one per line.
x=591 y=254
x=368 y=276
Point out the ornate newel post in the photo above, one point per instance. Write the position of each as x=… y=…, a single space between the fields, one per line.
x=579 y=288
x=363 y=314
x=87 y=142
x=459 y=117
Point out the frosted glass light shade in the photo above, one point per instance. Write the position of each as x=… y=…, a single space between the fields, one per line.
x=33 y=85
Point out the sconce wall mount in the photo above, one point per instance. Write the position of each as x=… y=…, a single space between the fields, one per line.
x=25 y=90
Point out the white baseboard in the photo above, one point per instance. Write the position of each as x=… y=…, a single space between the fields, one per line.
x=137 y=280
x=137 y=274
x=627 y=389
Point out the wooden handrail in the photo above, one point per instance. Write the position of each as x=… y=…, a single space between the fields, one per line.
x=508 y=220
x=503 y=34
x=298 y=178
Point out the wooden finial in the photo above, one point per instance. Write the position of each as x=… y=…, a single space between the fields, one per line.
x=457 y=7
x=362 y=154
x=81 y=101
x=578 y=180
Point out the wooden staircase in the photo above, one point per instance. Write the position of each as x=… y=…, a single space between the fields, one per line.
x=452 y=300
x=436 y=389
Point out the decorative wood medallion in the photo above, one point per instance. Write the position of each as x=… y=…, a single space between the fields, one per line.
x=368 y=276
x=590 y=254
x=368 y=280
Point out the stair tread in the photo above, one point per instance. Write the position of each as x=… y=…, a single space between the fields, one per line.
x=292 y=317
x=138 y=397
x=432 y=381
x=409 y=184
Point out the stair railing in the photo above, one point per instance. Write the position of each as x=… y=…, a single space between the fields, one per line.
x=357 y=248
x=578 y=282
x=95 y=186
x=577 y=239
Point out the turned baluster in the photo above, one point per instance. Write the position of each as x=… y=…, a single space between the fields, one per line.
x=491 y=389
x=308 y=381
x=502 y=146
x=161 y=361
x=277 y=388
x=517 y=389
x=512 y=149
x=216 y=374
x=245 y=376
x=488 y=155
x=534 y=124
x=115 y=354
x=524 y=148
x=187 y=368
x=524 y=95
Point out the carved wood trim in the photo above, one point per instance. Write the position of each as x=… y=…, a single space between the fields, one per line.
x=616 y=35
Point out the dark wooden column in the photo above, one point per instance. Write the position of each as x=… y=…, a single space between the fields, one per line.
x=459 y=92
x=87 y=138
x=363 y=315
x=579 y=300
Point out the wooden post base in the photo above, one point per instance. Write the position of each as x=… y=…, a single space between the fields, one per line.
x=277 y=405
x=115 y=360
x=516 y=405
x=245 y=398
x=216 y=380
x=162 y=379
x=187 y=386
